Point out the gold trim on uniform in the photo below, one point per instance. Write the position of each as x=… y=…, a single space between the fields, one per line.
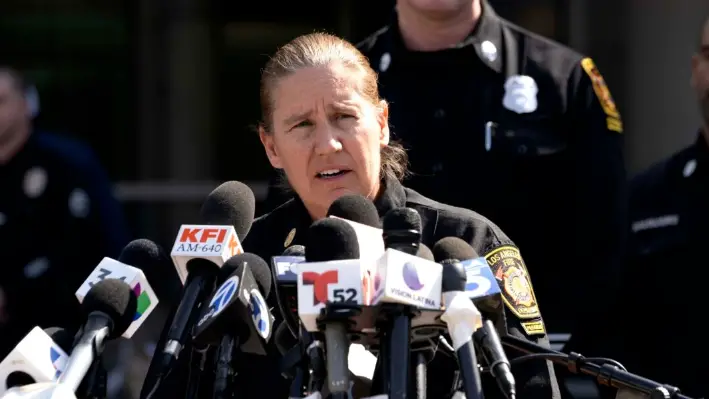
x=534 y=327
x=289 y=238
x=613 y=121
x=517 y=292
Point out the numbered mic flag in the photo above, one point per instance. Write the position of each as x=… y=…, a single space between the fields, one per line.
x=134 y=277
x=480 y=281
x=321 y=283
x=36 y=356
x=407 y=279
x=213 y=243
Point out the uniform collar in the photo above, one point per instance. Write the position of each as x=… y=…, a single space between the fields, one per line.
x=486 y=38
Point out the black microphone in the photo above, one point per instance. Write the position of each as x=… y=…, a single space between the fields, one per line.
x=241 y=297
x=109 y=306
x=237 y=315
x=355 y=208
x=449 y=251
x=230 y=204
x=331 y=240
x=402 y=232
x=286 y=292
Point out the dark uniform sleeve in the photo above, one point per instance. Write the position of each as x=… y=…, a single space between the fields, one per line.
x=522 y=318
x=595 y=128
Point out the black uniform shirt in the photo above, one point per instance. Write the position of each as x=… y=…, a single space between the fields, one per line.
x=58 y=219
x=288 y=224
x=524 y=131
x=662 y=299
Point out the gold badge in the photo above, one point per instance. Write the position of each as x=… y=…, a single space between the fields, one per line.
x=534 y=327
x=613 y=121
x=289 y=238
x=517 y=292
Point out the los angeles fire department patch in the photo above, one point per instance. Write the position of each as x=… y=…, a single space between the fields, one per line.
x=511 y=274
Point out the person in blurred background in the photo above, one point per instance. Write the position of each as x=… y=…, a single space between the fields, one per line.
x=518 y=128
x=58 y=219
x=669 y=215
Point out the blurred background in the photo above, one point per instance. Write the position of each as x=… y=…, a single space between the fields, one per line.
x=166 y=91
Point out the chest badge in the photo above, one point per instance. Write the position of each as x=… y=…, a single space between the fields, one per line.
x=520 y=94
x=289 y=238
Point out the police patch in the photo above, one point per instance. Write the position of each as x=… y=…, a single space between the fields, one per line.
x=613 y=121
x=511 y=274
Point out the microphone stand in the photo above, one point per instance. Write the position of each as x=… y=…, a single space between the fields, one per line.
x=606 y=374
x=223 y=378
x=94 y=384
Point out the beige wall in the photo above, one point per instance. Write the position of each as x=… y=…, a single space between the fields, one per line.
x=644 y=49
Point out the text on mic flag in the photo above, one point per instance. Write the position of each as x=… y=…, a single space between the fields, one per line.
x=112 y=269
x=213 y=243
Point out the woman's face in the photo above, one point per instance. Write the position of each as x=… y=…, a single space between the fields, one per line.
x=326 y=136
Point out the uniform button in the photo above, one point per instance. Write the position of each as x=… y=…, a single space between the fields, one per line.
x=689 y=168
x=439 y=114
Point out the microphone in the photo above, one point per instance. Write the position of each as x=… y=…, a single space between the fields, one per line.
x=481 y=287
x=462 y=318
x=240 y=297
x=199 y=252
x=40 y=356
x=137 y=256
x=329 y=241
x=355 y=208
x=237 y=315
x=404 y=282
x=110 y=307
x=284 y=269
x=362 y=215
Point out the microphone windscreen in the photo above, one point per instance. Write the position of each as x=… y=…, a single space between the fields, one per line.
x=356 y=208
x=259 y=269
x=402 y=219
x=331 y=239
x=424 y=252
x=453 y=248
x=144 y=254
x=61 y=337
x=294 y=250
x=114 y=298
x=230 y=204
x=155 y=263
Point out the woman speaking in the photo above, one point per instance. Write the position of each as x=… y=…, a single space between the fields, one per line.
x=326 y=128
x=324 y=125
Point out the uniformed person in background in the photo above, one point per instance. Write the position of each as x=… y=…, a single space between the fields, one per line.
x=663 y=293
x=58 y=219
x=518 y=128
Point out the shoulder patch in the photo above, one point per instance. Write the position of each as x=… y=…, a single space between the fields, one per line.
x=613 y=121
x=511 y=274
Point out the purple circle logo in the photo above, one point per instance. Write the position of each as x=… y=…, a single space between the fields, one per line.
x=411 y=276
